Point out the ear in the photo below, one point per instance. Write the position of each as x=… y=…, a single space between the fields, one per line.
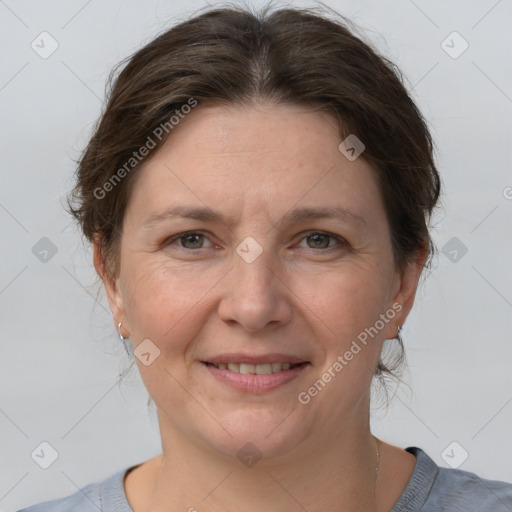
x=112 y=289
x=406 y=285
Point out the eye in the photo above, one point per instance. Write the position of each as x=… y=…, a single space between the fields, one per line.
x=190 y=240
x=321 y=240
x=194 y=240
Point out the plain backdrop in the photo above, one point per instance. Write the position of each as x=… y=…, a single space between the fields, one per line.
x=60 y=355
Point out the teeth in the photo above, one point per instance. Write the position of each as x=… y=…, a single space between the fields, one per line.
x=247 y=368
x=263 y=369
x=258 y=369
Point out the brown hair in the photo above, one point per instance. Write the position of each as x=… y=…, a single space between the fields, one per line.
x=233 y=55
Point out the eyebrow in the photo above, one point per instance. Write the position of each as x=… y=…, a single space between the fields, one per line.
x=293 y=216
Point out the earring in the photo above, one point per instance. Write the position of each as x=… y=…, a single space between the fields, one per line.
x=397 y=337
x=121 y=337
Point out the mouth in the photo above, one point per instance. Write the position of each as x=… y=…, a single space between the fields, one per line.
x=254 y=369
x=255 y=376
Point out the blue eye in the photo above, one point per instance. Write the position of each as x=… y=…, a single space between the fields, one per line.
x=321 y=240
x=194 y=240
x=192 y=237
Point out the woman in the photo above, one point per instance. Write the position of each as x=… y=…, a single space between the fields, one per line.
x=257 y=193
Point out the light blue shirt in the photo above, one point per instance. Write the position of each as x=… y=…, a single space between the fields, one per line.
x=430 y=489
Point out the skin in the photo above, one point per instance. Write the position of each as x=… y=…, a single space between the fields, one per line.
x=196 y=298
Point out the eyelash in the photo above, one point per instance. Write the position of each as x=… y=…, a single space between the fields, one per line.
x=341 y=241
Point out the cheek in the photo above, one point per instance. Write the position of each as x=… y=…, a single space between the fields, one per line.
x=161 y=300
x=356 y=299
x=348 y=300
x=163 y=305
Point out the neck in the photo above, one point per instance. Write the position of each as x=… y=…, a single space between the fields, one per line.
x=336 y=475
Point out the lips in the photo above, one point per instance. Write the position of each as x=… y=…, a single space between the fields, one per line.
x=255 y=374
x=257 y=369
x=240 y=358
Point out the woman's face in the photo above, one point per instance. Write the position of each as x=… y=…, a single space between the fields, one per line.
x=258 y=280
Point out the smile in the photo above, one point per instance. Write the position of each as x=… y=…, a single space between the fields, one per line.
x=255 y=378
x=257 y=369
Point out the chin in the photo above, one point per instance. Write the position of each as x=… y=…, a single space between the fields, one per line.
x=258 y=434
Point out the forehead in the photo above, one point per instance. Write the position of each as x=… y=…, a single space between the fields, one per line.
x=261 y=123
x=252 y=157
x=273 y=132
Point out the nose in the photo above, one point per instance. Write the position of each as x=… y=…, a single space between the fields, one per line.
x=255 y=293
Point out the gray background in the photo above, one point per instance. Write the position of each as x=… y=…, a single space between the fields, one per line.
x=60 y=356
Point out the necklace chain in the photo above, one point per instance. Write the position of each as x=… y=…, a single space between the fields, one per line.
x=377 y=466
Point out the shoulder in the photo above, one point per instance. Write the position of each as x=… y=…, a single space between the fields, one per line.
x=86 y=499
x=105 y=495
x=455 y=489
x=446 y=489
